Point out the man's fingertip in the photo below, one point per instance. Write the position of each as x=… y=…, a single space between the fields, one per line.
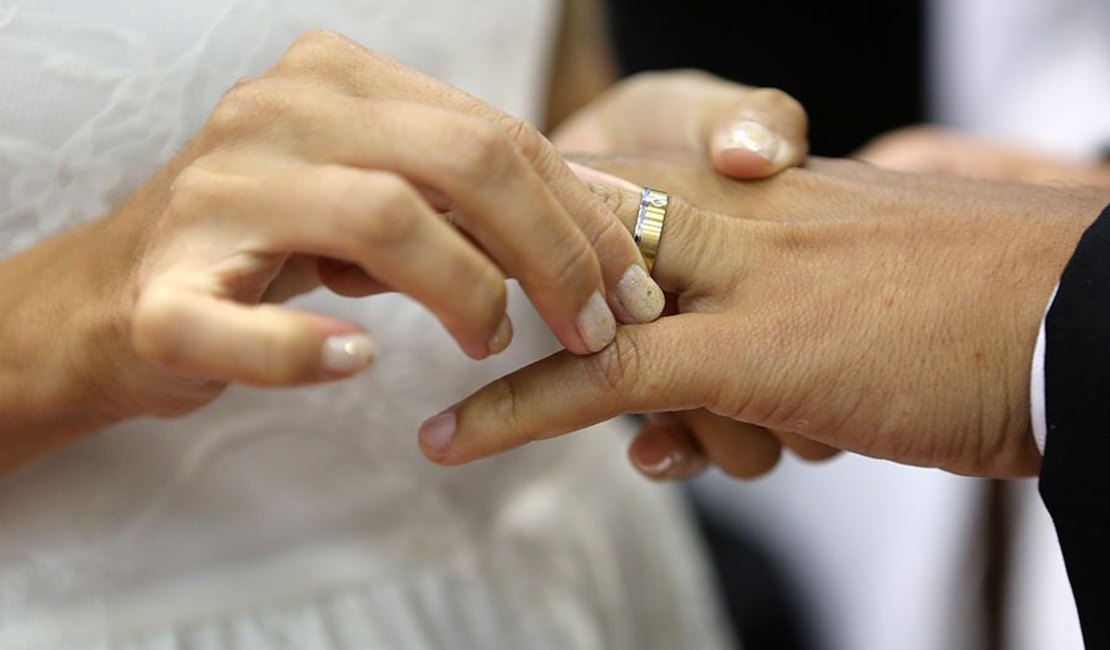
x=437 y=435
x=750 y=137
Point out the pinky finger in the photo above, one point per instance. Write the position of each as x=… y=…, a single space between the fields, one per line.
x=202 y=336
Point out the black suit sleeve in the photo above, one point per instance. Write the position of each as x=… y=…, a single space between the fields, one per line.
x=1075 y=475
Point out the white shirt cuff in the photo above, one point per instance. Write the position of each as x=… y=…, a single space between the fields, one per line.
x=1037 y=414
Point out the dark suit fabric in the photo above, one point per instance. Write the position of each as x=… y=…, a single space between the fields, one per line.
x=1075 y=476
x=856 y=66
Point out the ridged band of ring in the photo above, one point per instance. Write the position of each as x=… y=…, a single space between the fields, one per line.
x=649 y=223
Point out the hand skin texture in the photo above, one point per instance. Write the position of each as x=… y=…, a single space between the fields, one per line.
x=747 y=133
x=670 y=448
x=338 y=167
x=876 y=312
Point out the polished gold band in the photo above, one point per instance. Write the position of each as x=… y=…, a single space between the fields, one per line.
x=649 y=223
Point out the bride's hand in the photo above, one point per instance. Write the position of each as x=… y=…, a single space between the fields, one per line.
x=871 y=311
x=338 y=167
x=747 y=133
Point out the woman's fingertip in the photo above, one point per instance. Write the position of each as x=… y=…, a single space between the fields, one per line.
x=347 y=354
x=640 y=296
x=597 y=177
x=596 y=324
x=502 y=336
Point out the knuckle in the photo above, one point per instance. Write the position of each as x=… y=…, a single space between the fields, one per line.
x=478 y=151
x=157 y=312
x=527 y=138
x=610 y=234
x=382 y=215
x=620 y=203
x=617 y=368
x=248 y=104
x=574 y=265
x=504 y=400
x=312 y=48
x=193 y=192
x=330 y=57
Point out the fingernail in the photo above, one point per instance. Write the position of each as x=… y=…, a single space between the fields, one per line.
x=752 y=137
x=675 y=466
x=658 y=469
x=596 y=324
x=502 y=337
x=347 y=354
x=436 y=434
x=640 y=296
x=591 y=175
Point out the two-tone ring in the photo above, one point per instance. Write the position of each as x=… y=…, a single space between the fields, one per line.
x=649 y=223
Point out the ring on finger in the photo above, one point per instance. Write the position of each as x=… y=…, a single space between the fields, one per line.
x=649 y=223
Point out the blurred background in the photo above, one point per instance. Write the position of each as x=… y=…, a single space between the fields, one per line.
x=860 y=554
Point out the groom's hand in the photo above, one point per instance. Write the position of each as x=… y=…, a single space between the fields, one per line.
x=746 y=132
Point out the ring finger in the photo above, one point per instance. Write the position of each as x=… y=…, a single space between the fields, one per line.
x=497 y=199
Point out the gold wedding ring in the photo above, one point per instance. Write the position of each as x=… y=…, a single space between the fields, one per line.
x=649 y=223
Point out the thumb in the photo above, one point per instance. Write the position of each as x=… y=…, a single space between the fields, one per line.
x=660 y=366
x=206 y=336
x=748 y=133
x=758 y=135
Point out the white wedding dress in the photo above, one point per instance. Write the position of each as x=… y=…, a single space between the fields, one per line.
x=306 y=519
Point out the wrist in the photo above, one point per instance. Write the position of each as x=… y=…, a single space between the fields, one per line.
x=61 y=324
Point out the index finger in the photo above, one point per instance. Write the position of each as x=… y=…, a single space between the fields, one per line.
x=687 y=243
x=349 y=67
x=649 y=368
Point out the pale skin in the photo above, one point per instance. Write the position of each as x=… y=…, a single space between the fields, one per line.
x=155 y=308
x=885 y=314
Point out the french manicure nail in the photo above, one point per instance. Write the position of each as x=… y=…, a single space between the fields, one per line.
x=640 y=296
x=597 y=177
x=501 y=337
x=658 y=469
x=347 y=354
x=752 y=137
x=596 y=324
x=437 y=433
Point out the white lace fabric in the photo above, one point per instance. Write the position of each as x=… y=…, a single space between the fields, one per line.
x=306 y=518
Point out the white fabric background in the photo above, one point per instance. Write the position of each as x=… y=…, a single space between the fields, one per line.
x=306 y=519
